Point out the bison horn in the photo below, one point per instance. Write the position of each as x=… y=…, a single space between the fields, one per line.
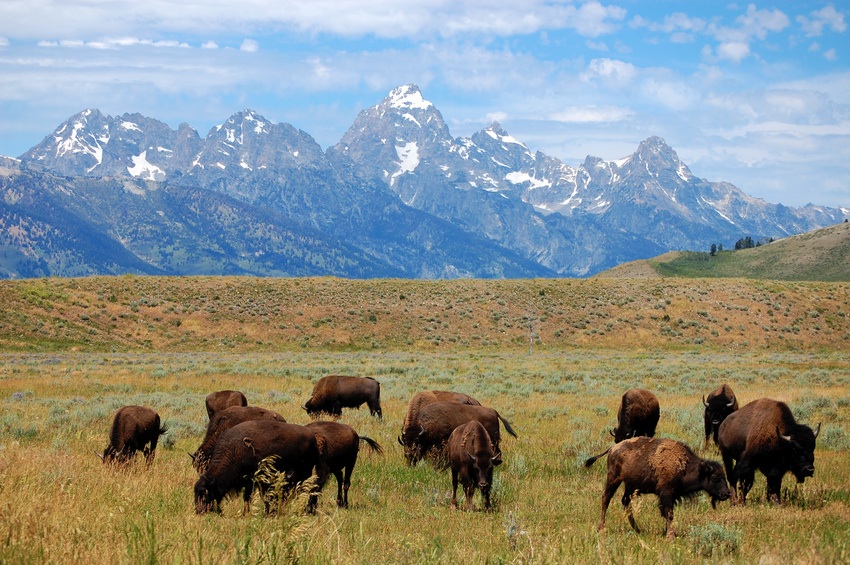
x=192 y=455
x=817 y=431
x=399 y=441
x=730 y=404
x=784 y=438
x=612 y=433
x=704 y=402
x=101 y=456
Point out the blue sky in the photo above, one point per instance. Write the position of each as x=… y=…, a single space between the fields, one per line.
x=756 y=94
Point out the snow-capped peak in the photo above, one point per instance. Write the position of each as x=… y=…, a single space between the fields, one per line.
x=408 y=97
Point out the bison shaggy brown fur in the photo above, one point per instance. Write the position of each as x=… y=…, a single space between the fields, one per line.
x=763 y=435
x=663 y=467
x=426 y=397
x=240 y=450
x=334 y=392
x=134 y=428
x=222 y=399
x=428 y=434
x=340 y=446
x=472 y=458
x=223 y=421
x=718 y=405
x=638 y=415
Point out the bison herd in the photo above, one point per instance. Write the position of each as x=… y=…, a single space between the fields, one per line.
x=453 y=430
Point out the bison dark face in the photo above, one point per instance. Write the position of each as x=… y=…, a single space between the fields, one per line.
x=205 y=500
x=802 y=455
x=713 y=481
x=717 y=409
x=482 y=470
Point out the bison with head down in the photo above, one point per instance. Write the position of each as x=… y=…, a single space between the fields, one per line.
x=222 y=421
x=430 y=431
x=240 y=450
x=134 y=428
x=472 y=458
x=764 y=436
x=720 y=403
x=219 y=400
x=426 y=397
x=663 y=467
x=333 y=393
x=638 y=415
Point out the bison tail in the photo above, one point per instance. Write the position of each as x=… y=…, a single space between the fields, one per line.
x=508 y=427
x=590 y=461
x=374 y=445
x=163 y=429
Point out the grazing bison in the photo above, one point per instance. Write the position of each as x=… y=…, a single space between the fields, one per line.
x=638 y=415
x=333 y=393
x=763 y=435
x=472 y=458
x=435 y=423
x=663 y=467
x=133 y=428
x=339 y=451
x=223 y=421
x=223 y=399
x=424 y=398
x=720 y=403
x=240 y=450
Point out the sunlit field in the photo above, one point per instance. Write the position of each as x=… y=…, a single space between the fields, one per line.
x=60 y=504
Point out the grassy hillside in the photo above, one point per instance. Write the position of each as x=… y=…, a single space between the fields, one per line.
x=552 y=356
x=821 y=255
x=248 y=314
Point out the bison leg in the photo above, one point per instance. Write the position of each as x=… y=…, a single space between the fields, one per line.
x=454 y=488
x=627 y=506
x=469 y=490
x=346 y=484
x=611 y=487
x=375 y=409
x=774 y=486
x=338 y=474
x=665 y=506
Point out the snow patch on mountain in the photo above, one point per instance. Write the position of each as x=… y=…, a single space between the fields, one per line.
x=408 y=155
x=142 y=168
x=519 y=177
x=408 y=97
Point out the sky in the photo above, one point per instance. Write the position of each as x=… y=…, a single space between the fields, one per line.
x=755 y=94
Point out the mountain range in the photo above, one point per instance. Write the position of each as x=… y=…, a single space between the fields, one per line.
x=398 y=196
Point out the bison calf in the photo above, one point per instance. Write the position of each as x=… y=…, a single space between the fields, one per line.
x=217 y=401
x=764 y=435
x=339 y=450
x=663 y=467
x=134 y=428
x=333 y=393
x=472 y=458
x=240 y=450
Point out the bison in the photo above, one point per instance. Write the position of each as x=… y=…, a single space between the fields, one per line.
x=638 y=415
x=133 y=428
x=224 y=420
x=435 y=423
x=240 y=450
x=222 y=399
x=333 y=393
x=424 y=398
x=763 y=435
x=663 y=467
x=720 y=403
x=339 y=451
x=472 y=458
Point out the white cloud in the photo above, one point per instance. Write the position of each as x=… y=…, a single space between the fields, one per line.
x=830 y=55
x=735 y=51
x=592 y=114
x=4 y=42
x=209 y=45
x=827 y=17
x=249 y=46
x=611 y=71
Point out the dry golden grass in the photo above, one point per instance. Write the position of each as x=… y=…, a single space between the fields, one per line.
x=59 y=504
